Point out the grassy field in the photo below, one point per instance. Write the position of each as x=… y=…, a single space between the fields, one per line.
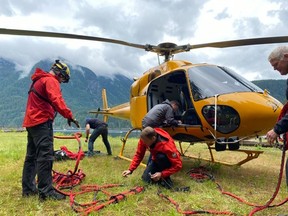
x=254 y=182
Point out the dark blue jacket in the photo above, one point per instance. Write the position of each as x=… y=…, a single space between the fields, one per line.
x=94 y=123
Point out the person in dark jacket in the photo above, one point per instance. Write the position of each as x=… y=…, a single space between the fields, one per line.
x=162 y=115
x=165 y=157
x=279 y=61
x=44 y=100
x=100 y=128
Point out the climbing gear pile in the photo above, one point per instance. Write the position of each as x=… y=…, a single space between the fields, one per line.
x=65 y=184
x=72 y=178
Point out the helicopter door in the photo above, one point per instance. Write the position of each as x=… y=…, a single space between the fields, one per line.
x=173 y=86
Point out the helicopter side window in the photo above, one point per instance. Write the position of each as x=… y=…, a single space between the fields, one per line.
x=208 y=81
x=190 y=117
x=242 y=80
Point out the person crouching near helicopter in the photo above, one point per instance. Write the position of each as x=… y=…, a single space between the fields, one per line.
x=165 y=157
x=160 y=115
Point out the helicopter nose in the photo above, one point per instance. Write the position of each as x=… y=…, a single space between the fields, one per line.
x=244 y=114
x=258 y=113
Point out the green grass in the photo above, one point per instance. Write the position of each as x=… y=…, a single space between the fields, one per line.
x=255 y=181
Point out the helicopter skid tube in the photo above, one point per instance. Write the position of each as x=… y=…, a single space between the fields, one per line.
x=124 y=140
x=250 y=155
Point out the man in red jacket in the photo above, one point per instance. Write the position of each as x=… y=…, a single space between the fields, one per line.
x=165 y=157
x=44 y=101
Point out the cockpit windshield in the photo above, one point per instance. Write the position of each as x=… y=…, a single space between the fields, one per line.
x=208 y=81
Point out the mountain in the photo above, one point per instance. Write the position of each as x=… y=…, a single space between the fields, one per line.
x=82 y=94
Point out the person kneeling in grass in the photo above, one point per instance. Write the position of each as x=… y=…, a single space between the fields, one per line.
x=165 y=157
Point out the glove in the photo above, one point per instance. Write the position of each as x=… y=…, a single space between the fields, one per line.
x=74 y=121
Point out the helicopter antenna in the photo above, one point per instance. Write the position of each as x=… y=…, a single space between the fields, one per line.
x=158 y=59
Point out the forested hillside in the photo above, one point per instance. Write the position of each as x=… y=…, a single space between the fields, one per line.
x=277 y=88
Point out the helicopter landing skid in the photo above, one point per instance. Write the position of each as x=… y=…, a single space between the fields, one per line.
x=250 y=155
x=123 y=146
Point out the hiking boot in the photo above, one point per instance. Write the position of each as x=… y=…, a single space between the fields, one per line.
x=54 y=195
x=30 y=193
x=89 y=154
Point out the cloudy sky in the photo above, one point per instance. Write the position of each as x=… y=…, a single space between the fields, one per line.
x=144 y=22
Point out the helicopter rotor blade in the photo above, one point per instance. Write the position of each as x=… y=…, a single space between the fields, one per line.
x=67 y=36
x=242 y=42
x=165 y=49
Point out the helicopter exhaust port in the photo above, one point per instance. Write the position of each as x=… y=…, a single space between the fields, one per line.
x=232 y=142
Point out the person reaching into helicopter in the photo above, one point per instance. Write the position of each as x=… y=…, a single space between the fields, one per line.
x=100 y=128
x=165 y=157
x=44 y=101
x=162 y=114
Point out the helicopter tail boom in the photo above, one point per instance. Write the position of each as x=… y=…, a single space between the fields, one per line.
x=121 y=111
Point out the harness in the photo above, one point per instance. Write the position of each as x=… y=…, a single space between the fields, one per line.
x=32 y=89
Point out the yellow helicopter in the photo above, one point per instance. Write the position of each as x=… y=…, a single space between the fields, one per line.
x=218 y=106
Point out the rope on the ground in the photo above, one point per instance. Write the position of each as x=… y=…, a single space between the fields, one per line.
x=72 y=178
x=177 y=206
x=201 y=174
x=96 y=205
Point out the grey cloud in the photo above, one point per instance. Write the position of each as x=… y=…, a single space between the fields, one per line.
x=249 y=26
x=12 y=7
x=147 y=23
x=222 y=15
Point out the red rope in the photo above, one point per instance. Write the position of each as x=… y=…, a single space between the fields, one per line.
x=96 y=205
x=284 y=112
x=268 y=203
x=200 y=174
x=72 y=178
x=72 y=155
x=195 y=211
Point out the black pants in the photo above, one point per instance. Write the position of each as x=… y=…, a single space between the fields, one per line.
x=287 y=172
x=103 y=131
x=161 y=163
x=39 y=159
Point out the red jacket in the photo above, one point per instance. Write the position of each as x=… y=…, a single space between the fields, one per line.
x=39 y=110
x=166 y=147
